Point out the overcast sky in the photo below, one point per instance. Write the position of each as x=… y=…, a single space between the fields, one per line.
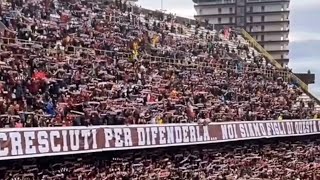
x=304 y=32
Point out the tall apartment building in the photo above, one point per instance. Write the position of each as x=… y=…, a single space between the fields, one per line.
x=266 y=20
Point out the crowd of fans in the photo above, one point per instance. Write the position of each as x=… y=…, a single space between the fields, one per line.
x=72 y=62
x=284 y=159
x=90 y=63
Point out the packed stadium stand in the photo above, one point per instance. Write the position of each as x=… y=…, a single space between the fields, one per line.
x=256 y=160
x=90 y=64
x=126 y=78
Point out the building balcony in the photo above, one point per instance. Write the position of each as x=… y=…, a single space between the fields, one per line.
x=201 y=5
x=213 y=5
x=214 y=15
x=223 y=25
x=278 y=51
x=267 y=12
x=269 y=32
x=213 y=2
x=269 y=22
x=273 y=41
x=283 y=61
x=260 y=2
x=226 y=24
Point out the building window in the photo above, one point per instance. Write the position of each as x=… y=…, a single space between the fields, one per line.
x=262 y=28
x=251 y=9
x=282 y=57
x=219 y=10
x=240 y=21
x=251 y=28
x=240 y=11
x=230 y=19
x=262 y=37
x=262 y=8
x=240 y=2
x=262 y=18
x=251 y=19
x=283 y=17
x=200 y=11
x=230 y=10
x=219 y=20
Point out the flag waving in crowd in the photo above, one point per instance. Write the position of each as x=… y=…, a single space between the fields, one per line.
x=155 y=40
